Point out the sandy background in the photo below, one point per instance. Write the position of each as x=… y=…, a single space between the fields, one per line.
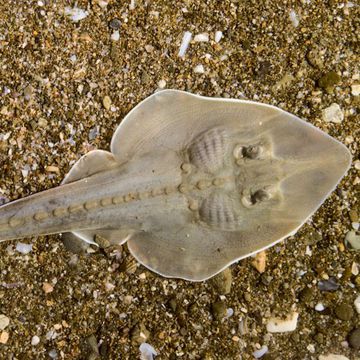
x=55 y=77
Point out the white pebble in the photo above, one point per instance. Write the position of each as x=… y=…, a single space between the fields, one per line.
x=147 y=351
x=35 y=340
x=53 y=354
x=4 y=321
x=311 y=348
x=199 y=69
x=294 y=18
x=73 y=58
x=23 y=248
x=355 y=269
x=333 y=113
x=103 y=4
x=355 y=89
x=333 y=357
x=115 y=36
x=276 y=325
x=355 y=226
x=261 y=352
x=319 y=307
x=185 y=43
x=218 y=36
x=229 y=312
x=132 y=5
x=357 y=304
x=357 y=164
x=204 y=37
x=161 y=84
x=75 y=14
x=353 y=239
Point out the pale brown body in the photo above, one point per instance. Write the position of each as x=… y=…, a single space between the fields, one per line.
x=193 y=184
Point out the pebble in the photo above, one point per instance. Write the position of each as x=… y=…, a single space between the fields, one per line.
x=204 y=37
x=357 y=304
x=107 y=102
x=278 y=325
x=115 y=24
x=218 y=36
x=139 y=334
x=115 y=36
x=4 y=337
x=328 y=285
x=333 y=357
x=75 y=14
x=344 y=312
x=35 y=340
x=53 y=354
x=294 y=18
x=319 y=307
x=352 y=239
x=306 y=295
x=355 y=89
x=23 y=248
x=48 y=288
x=161 y=84
x=219 y=310
x=4 y=321
x=147 y=351
x=261 y=352
x=333 y=114
x=199 y=69
x=222 y=282
x=354 y=338
x=259 y=263
x=329 y=80
x=184 y=43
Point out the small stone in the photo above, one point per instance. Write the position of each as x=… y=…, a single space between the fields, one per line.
x=199 y=69
x=204 y=37
x=35 y=340
x=219 y=310
x=222 y=282
x=261 y=352
x=75 y=14
x=147 y=351
x=218 y=36
x=352 y=239
x=139 y=334
x=319 y=337
x=354 y=217
x=92 y=345
x=161 y=84
x=259 y=263
x=314 y=58
x=333 y=114
x=306 y=295
x=115 y=36
x=357 y=304
x=48 y=288
x=4 y=337
x=333 y=357
x=42 y=122
x=355 y=89
x=53 y=354
x=4 y=321
x=107 y=102
x=23 y=248
x=344 y=311
x=354 y=339
x=319 y=307
x=115 y=24
x=329 y=80
x=277 y=325
x=28 y=93
x=328 y=285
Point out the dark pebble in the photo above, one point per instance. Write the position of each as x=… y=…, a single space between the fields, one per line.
x=328 y=285
x=354 y=339
x=329 y=80
x=218 y=310
x=344 y=312
x=115 y=24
